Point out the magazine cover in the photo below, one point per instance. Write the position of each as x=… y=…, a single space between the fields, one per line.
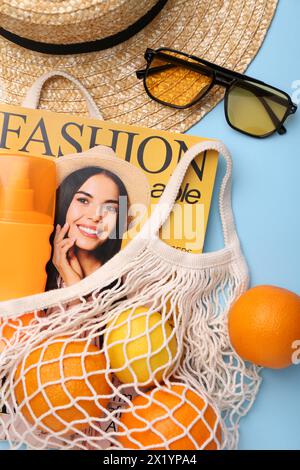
x=149 y=157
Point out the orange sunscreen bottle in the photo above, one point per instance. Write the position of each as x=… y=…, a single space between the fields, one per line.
x=27 y=205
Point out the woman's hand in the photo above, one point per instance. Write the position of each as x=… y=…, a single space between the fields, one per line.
x=64 y=258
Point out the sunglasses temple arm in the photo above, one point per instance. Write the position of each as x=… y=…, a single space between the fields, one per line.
x=140 y=74
x=280 y=129
x=160 y=68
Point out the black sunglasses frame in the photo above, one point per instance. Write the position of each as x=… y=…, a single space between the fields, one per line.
x=220 y=77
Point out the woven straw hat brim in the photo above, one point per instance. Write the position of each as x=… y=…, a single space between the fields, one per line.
x=227 y=32
x=135 y=181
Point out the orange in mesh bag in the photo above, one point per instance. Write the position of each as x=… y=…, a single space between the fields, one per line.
x=12 y=331
x=58 y=385
x=175 y=415
x=191 y=293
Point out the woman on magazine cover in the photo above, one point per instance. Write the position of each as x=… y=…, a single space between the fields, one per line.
x=95 y=194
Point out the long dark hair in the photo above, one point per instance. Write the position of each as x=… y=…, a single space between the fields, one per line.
x=64 y=197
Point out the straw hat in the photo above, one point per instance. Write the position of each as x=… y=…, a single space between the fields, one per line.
x=135 y=181
x=113 y=36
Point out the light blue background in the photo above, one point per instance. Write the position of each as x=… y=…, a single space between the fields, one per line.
x=266 y=199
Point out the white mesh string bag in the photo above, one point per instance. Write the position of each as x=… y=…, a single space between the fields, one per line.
x=136 y=355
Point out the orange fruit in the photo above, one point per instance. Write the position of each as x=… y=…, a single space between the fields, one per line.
x=185 y=418
x=10 y=330
x=263 y=324
x=62 y=385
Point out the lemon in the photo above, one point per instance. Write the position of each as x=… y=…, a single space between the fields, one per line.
x=140 y=346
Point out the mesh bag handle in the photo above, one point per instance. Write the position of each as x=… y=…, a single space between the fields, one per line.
x=33 y=95
x=168 y=198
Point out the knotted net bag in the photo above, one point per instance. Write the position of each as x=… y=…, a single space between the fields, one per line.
x=136 y=355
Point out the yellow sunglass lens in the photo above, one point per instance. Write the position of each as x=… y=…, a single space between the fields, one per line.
x=176 y=84
x=257 y=110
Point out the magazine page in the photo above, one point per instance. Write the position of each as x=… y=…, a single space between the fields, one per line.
x=151 y=156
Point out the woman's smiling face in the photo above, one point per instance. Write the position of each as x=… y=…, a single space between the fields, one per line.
x=93 y=212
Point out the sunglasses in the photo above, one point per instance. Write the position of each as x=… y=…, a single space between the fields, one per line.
x=180 y=80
